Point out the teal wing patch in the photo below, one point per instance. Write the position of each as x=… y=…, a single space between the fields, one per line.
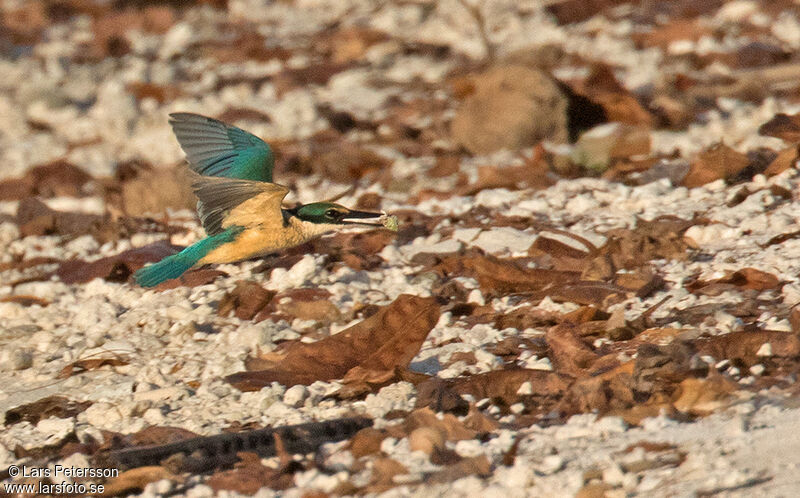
x=218 y=196
x=176 y=265
x=214 y=148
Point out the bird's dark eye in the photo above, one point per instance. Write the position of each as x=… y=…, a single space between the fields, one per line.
x=332 y=214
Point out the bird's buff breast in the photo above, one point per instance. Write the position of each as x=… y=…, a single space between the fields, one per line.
x=261 y=240
x=253 y=242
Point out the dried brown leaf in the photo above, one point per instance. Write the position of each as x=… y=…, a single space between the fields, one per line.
x=383 y=471
x=604 y=393
x=426 y=440
x=367 y=441
x=56 y=179
x=783 y=126
x=383 y=342
x=703 y=396
x=248 y=476
x=80 y=366
x=480 y=422
x=743 y=346
x=504 y=384
x=51 y=406
x=499 y=277
x=478 y=465
x=155 y=435
x=562 y=256
x=715 y=163
x=568 y=353
x=191 y=278
x=746 y=278
x=787 y=158
x=246 y=300
x=439 y=397
x=319 y=310
x=136 y=480
x=25 y=300
x=451 y=428
x=115 y=268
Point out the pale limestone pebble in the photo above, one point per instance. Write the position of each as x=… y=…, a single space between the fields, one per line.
x=314 y=479
x=504 y=240
x=587 y=425
x=114 y=111
x=710 y=235
x=280 y=413
x=737 y=124
x=36 y=148
x=50 y=291
x=483 y=334
x=550 y=464
x=431 y=244
x=115 y=387
x=736 y=11
x=469 y=448
x=252 y=70
x=282 y=279
x=200 y=491
x=476 y=297
x=765 y=350
x=466 y=235
x=14 y=127
x=387 y=284
x=175 y=41
x=615 y=476
x=400 y=450
x=774 y=323
x=39 y=111
x=55 y=429
x=161 y=487
x=535 y=205
x=452 y=205
x=458 y=369
x=23 y=434
x=398 y=396
x=16 y=359
x=548 y=304
x=786 y=28
x=293 y=115
x=295 y=396
x=518 y=476
x=529 y=360
x=147 y=141
x=498 y=198
x=253 y=336
x=158 y=395
x=102 y=416
x=42 y=341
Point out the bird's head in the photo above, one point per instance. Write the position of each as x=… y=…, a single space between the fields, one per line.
x=329 y=213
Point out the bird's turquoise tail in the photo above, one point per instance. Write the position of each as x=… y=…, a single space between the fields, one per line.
x=176 y=265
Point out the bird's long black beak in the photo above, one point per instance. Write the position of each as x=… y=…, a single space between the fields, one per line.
x=354 y=217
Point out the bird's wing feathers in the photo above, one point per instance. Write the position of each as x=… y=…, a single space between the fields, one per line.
x=226 y=202
x=214 y=148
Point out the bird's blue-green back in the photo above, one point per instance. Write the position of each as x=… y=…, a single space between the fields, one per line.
x=214 y=148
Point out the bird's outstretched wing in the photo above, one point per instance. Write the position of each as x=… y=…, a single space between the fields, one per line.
x=226 y=202
x=214 y=148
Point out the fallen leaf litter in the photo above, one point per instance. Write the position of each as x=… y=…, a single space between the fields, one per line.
x=598 y=302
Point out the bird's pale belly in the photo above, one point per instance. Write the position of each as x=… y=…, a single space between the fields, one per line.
x=254 y=242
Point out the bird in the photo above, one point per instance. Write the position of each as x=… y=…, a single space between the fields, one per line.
x=239 y=206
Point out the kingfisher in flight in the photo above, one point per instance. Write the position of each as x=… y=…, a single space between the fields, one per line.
x=239 y=206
